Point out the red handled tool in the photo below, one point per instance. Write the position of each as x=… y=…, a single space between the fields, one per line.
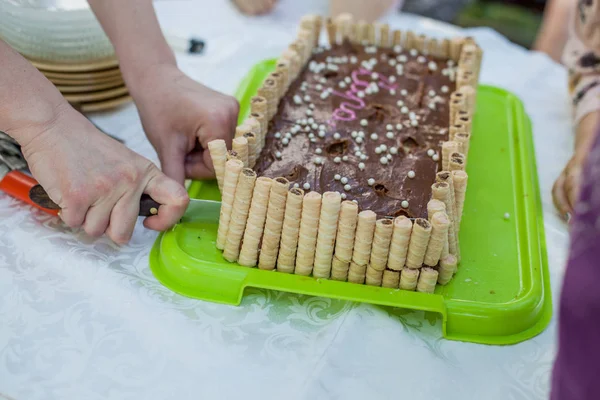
x=18 y=185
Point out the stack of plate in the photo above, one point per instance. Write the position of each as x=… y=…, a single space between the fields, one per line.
x=66 y=43
x=94 y=86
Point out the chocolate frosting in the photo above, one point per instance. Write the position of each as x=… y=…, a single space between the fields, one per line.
x=336 y=116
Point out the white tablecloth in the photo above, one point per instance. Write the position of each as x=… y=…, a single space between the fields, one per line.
x=82 y=319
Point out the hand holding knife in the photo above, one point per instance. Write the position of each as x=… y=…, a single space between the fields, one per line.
x=22 y=186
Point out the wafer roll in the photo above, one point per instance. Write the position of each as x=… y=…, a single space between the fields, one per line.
x=464 y=118
x=300 y=45
x=381 y=244
x=328 y=224
x=362 y=32
x=233 y=168
x=331 y=32
x=277 y=77
x=343 y=26
x=409 y=278
x=307 y=238
x=239 y=214
x=456 y=48
x=240 y=146
x=355 y=34
x=419 y=239
x=455 y=129
x=397 y=38
x=427 y=280
x=445 y=48
x=283 y=69
x=269 y=91
x=470 y=97
x=344 y=243
x=363 y=240
x=356 y=273
x=384 y=35
x=256 y=222
x=289 y=234
x=307 y=38
x=463 y=139
x=252 y=155
x=420 y=43
x=371 y=39
x=433 y=47
x=232 y=155
x=391 y=279
x=258 y=124
x=446 y=270
x=460 y=179
x=339 y=269
x=293 y=58
x=258 y=104
x=435 y=206
x=399 y=244
x=410 y=40
x=441 y=191
x=457 y=162
x=273 y=224
x=457 y=103
x=439 y=234
x=446 y=176
x=312 y=23
x=242 y=129
x=448 y=148
x=373 y=277
x=218 y=154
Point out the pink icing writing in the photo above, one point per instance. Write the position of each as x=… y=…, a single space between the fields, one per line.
x=344 y=112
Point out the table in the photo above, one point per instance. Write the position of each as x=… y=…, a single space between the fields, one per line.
x=83 y=319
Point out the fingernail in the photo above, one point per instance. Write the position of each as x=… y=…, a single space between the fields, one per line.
x=568 y=217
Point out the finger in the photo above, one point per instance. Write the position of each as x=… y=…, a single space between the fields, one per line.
x=220 y=125
x=97 y=219
x=172 y=161
x=123 y=218
x=173 y=199
x=199 y=166
x=572 y=185
x=73 y=217
x=74 y=209
x=558 y=195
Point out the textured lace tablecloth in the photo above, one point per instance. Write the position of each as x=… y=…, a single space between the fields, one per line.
x=82 y=319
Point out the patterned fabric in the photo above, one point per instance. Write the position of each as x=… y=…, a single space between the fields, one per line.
x=582 y=57
x=83 y=319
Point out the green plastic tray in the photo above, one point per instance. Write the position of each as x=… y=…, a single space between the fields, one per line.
x=501 y=293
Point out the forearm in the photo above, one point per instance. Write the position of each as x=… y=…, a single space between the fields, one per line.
x=552 y=35
x=134 y=31
x=28 y=101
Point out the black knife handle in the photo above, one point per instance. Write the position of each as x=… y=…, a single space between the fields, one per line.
x=37 y=194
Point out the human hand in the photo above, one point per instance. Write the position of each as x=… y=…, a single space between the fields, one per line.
x=96 y=181
x=565 y=191
x=180 y=117
x=255 y=7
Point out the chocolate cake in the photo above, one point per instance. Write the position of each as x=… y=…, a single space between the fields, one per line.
x=367 y=122
x=351 y=163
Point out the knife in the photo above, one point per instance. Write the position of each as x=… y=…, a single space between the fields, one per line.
x=208 y=210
